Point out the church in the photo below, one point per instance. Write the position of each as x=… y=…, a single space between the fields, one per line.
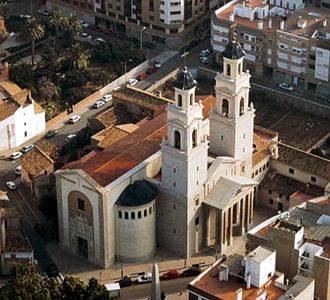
x=184 y=181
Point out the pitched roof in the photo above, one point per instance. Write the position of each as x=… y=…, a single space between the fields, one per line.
x=7 y=108
x=304 y=161
x=108 y=165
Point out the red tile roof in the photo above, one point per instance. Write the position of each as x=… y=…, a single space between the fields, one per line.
x=108 y=165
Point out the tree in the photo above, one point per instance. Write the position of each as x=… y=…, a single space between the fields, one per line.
x=104 y=77
x=79 y=57
x=3 y=36
x=22 y=75
x=4 y=9
x=72 y=25
x=59 y=22
x=36 y=32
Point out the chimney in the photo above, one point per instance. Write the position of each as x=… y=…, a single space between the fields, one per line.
x=324 y=23
x=270 y=23
x=260 y=24
x=282 y=25
x=231 y=17
x=239 y=294
x=223 y=273
x=248 y=281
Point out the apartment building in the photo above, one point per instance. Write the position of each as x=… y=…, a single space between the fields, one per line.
x=282 y=40
x=172 y=22
x=250 y=277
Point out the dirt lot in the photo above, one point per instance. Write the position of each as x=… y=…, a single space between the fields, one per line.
x=295 y=128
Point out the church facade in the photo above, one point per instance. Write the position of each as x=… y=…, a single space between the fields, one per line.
x=182 y=181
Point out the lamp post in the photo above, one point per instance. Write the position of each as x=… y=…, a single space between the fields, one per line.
x=141 y=32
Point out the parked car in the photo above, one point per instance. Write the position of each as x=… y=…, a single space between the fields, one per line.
x=43 y=12
x=74 y=119
x=86 y=36
x=117 y=88
x=71 y=136
x=18 y=170
x=25 y=16
x=173 y=274
x=286 y=86
x=106 y=98
x=204 y=60
x=16 y=155
x=157 y=64
x=132 y=81
x=149 y=45
x=51 y=270
x=147 y=277
x=98 y=104
x=40 y=229
x=84 y=24
x=193 y=271
x=142 y=76
x=205 y=52
x=99 y=41
x=51 y=133
x=27 y=148
x=124 y=282
x=11 y=185
x=151 y=70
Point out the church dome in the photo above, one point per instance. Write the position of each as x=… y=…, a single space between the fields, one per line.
x=233 y=50
x=137 y=194
x=185 y=80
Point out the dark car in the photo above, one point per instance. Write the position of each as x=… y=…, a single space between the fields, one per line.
x=151 y=70
x=124 y=282
x=193 y=271
x=149 y=45
x=51 y=270
x=40 y=229
x=50 y=133
x=173 y=274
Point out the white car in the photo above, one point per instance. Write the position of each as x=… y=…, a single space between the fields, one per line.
x=15 y=155
x=286 y=86
x=25 y=16
x=11 y=185
x=27 y=148
x=98 y=104
x=43 y=12
x=145 y=278
x=18 y=170
x=106 y=98
x=99 y=41
x=204 y=60
x=74 y=119
x=157 y=64
x=205 y=52
x=71 y=136
x=84 y=24
x=132 y=81
x=86 y=35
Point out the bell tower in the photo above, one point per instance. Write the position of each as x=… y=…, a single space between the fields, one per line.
x=232 y=118
x=184 y=152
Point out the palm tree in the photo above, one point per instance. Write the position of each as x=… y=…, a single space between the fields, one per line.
x=59 y=22
x=36 y=32
x=79 y=57
x=73 y=26
x=3 y=36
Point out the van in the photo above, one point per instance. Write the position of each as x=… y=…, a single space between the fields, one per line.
x=15 y=155
x=114 y=289
x=18 y=170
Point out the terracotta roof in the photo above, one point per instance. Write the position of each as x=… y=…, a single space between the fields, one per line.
x=8 y=212
x=22 y=98
x=10 y=87
x=304 y=161
x=37 y=108
x=259 y=156
x=7 y=108
x=208 y=102
x=16 y=242
x=108 y=165
x=36 y=161
x=111 y=136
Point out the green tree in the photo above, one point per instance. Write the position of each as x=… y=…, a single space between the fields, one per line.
x=79 y=57
x=36 y=32
x=3 y=36
x=72 y=25
x=104 y=77
x=59 y=22
x=22 y=74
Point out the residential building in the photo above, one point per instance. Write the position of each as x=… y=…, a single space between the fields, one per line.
x=250 y=277
x=172 y=22
x=301 y=240
x=282 y=39
x=21 y=118
x=14 y=245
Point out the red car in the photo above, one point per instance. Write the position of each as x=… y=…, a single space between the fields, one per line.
x=193 y=271
x=171 y=275
x=142 y=76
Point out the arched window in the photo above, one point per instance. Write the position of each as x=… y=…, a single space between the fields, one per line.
x=126 y=215
x=225 y=107
x=145 y=213
x=228 y=70
x=133 y=215
x=177 y=139
x=239 y=69
x=180 y=100
x=119 y=214
x=241 y=106
x=139 y=214
x=191 y=99
x=194 y=138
